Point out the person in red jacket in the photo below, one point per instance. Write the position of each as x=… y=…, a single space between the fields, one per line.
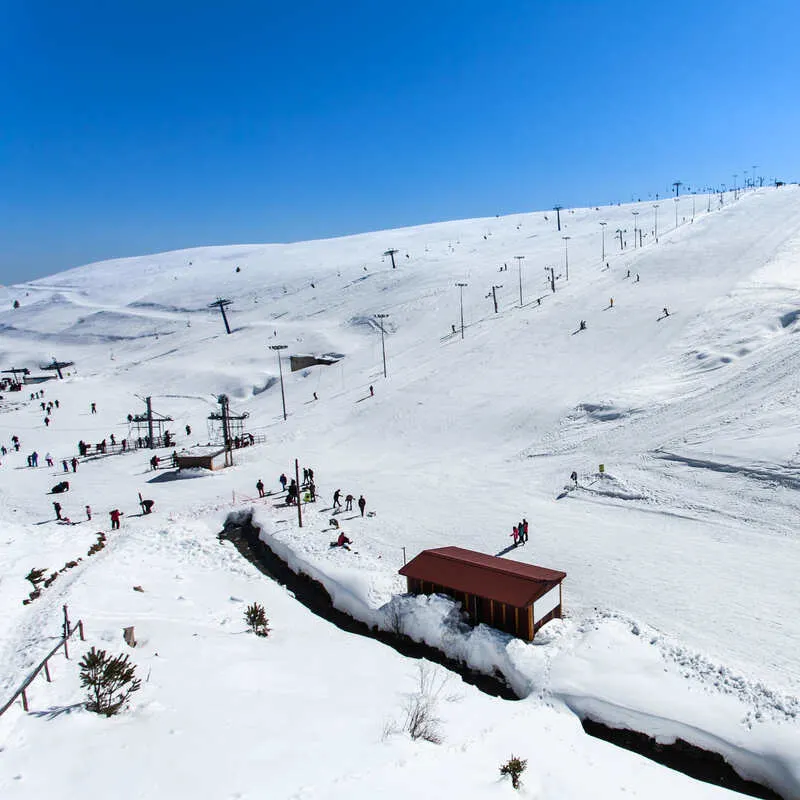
x=343 y=541
x=115 y=515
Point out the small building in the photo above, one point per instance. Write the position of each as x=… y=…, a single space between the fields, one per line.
x=203 y=457
x=508 y=595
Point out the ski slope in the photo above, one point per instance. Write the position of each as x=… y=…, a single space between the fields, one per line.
x=689 y=532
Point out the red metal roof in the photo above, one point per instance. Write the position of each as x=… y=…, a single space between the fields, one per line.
x=498 y=579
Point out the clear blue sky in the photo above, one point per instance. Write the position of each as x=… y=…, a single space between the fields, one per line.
x=140 y=126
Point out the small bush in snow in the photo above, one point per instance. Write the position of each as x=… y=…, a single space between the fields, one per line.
x=108 y=680
x=514 y=767
x=421 y=721
x=35 y=576
x=256 y=618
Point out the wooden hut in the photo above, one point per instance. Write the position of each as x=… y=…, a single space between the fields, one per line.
x=203 y=457
x=509 y=595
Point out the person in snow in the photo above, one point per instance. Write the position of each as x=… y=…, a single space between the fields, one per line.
x=611 y=302
x=515 y=535
x=637 y=278
x=315 y=396
x=574 y=477
x=305 y=475
x=629 y=274
x=362 y=504
x=291 y=492
x=666 y=312
x=336 y=501
x=582 y=326
x=115 y=515
x=89 y=513
x=283 y=480
x=47 y=422
x=34 y=459
x=525 y=528
x=60 y=488
x=94 y=408
x=49 y=459
x=260 y=487
x=65 y=465
x=57 y=507
x=348 y=502
x=343 y=541
x=188 y=430
x=147 y=506
x=57 y=404
x=311 y=475
x=371 y=391
x=74 y=463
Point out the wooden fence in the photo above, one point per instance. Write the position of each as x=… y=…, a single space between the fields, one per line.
x=69 y=630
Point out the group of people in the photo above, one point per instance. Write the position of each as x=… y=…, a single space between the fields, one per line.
x=348 y=502
x=520 y=532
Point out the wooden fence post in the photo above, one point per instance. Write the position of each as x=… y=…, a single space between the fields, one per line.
x=80 y=630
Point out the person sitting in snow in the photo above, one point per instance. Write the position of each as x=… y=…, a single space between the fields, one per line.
x=343 y=541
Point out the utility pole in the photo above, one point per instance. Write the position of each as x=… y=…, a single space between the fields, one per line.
x=299 y=500
x=566 y=253
x=382 y=317
x=735 y=190
x=221 y=303
x=675 y=200
x=493 y=295
x=603 y=246
x=677 y=186
x=552 y=271
x=655 y=206
x=519 y=270
x=278 y=348
x=635 y=227
x=461 y=295
x=618 y=232
x=557 y=209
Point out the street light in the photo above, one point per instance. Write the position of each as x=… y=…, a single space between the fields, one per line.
x=635 y=216
x=382 y=317
x=603 y=251
x=655 y=206
x=278 y=348
x=461 y=294
x=566 y=254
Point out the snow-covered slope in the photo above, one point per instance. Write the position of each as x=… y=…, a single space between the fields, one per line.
x=689 y=531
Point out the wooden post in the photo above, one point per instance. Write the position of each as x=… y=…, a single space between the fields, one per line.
x=66 y=649
x=299 y=498
x=47 y=672
x=24 y=700
x=80 y=630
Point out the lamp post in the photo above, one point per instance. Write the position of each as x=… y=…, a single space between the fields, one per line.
x=655 y=207
x=603 y=246
x=519 y=269
x=278 y=348
x=382 y=317
x=461 y=297
x=635 y=226
x=566 y=254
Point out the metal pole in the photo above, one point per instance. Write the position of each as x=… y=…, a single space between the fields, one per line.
x=635 y=217
x=381 y=317
x=151 y=443
x=566 y=253
x=277 y=348
x=655 y=206
x=519 y=268
x=299 y=500
x=225 y=318
x=461 y=297
x=603 y=252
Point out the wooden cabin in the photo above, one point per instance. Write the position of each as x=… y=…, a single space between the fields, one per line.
x=203 y=457
x=508 y=595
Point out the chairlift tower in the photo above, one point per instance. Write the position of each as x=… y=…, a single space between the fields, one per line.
x=222 y=304
x=232 y=426
x=391 y=253
x=57 y=366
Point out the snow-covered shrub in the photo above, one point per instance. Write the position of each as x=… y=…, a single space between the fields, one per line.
x=108 y=680
x=256 y=618
x=514 y=767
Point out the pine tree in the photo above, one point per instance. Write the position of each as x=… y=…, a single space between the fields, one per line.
x=256 y=618
x=514 y=767
x=109 y=681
